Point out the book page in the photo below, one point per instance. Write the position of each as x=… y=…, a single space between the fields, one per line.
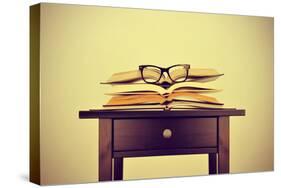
x=137 y=88
x=136 y=99
x=126 y=88
x=189 y=104
x=192 y=97
x=190 y=85
x=134 y=107
x=203 y=72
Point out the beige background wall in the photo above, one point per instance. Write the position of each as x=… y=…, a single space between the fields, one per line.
x=83 y=45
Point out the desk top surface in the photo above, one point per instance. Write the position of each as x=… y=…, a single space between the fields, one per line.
x=88 y=114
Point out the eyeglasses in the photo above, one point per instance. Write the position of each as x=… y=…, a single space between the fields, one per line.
x=152 y=74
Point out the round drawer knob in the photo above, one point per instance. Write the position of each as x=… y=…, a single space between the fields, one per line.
x=167 y=133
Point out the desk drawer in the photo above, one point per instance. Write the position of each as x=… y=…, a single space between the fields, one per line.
x=170 y=133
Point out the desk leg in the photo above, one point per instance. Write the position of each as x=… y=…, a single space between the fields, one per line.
x=223 y=142
x=105 y=149
x=118 y=168
x=212 y=163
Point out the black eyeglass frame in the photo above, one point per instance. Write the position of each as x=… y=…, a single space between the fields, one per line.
x=186 y=66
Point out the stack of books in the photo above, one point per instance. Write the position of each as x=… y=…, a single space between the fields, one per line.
x=129 y=91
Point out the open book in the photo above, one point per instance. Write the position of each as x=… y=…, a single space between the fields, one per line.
x=186 y=98
x=195 y=75
x=191 y=87
x=173 y=105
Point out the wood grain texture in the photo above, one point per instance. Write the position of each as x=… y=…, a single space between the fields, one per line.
x=223 y=145
x=147 y=134
x=105 y=149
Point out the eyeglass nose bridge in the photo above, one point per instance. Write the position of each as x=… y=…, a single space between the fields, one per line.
x=165 y=76
x=165 y=70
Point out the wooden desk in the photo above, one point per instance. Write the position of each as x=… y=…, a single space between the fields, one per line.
x=154 y=133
